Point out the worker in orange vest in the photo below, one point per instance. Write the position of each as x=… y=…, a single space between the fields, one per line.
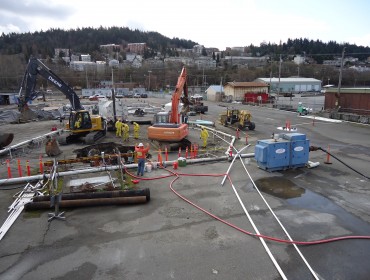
x=141 y=156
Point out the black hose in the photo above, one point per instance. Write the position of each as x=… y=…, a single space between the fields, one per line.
x=358 y=172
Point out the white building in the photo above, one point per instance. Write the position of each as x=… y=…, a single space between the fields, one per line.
x=215 y=92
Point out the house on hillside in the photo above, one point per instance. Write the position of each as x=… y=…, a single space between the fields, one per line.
x=215 y=93
x=236 y=91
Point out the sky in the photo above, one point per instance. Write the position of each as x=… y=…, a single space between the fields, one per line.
x=219 y=24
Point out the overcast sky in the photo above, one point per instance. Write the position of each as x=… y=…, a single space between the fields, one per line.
x=220 y=24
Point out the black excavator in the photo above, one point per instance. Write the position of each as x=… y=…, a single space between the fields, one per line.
x=81 y=125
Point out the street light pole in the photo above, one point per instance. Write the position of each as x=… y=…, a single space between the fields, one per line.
x=278 y=90
x=337 y=105
x=149 y=79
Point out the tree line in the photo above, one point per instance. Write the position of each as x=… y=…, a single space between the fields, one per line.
x=15 y=49
x=84 y=40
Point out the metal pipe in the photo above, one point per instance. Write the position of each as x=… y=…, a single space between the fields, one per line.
x=231 y=164
x=92 y=195
x=87 y=202
x=26 y=179
x=214 y=130
x=8 y=149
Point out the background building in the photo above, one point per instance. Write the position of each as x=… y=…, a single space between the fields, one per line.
x=351 y=100
x=236 y=90
x=295 y=85
x=215 y=93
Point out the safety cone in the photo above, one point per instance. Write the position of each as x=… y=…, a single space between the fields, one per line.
x=28 y=168
x=19 y=168
x=160 y=157
x=41 y=165
x=9 y=169
x=230 y=153
x=328 y=156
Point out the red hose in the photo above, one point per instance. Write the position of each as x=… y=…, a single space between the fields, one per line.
x=313 y=242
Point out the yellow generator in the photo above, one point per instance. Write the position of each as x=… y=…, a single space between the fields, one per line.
x=237 y=118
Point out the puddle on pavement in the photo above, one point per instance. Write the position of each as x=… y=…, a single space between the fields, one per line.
x=279 y=187
x=301 y=198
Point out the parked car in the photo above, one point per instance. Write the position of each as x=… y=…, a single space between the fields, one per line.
x=96 y=97
x=128 y=94
x=196 y=97
x=144 y=95
x=137 y=95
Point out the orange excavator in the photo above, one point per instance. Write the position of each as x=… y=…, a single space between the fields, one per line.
x=171 y=126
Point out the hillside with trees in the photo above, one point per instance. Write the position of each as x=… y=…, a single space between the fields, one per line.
x=15 y=49
x=85 y=40
x=315 y=49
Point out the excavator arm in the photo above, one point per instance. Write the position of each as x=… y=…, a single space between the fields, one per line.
x=36 y=67
x=176 y=97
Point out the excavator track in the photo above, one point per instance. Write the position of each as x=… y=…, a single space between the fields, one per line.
x=93 y=137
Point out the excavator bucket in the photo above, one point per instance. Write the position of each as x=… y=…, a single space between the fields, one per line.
x=5 y=139
x=52 y=147
x=27 y=115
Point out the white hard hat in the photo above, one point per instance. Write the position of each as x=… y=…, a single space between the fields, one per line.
x=140 y=145
x=300 y=103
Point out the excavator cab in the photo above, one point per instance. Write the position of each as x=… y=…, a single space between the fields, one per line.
x=161 y=117
x=80 y=120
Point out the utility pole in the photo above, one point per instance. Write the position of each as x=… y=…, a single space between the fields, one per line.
x=337 y=105
x=270 y=77
x=149 y=80
x=278 y=91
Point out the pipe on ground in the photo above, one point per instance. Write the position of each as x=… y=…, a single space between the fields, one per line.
x=93 y=195
x=10 y=181
x=87 y=202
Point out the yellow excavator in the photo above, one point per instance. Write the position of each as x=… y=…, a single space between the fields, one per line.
x=81 y=125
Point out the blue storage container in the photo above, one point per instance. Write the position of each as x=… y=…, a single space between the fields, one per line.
x=290 y=151
x=272 y=155
x=294 y=136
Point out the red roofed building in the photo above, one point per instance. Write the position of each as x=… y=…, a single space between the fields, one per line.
x=236 y=90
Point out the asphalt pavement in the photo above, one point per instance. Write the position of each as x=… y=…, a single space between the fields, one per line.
x=169 y=238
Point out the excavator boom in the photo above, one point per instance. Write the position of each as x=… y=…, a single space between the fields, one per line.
x=82 y=126
x=169 y=126
x=36 y=67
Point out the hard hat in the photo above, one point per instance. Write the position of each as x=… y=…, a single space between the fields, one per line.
x=140 y=145
x=300 y=103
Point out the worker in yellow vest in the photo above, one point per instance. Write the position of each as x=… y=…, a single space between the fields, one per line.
x=136 y=130
x=118 y=126
x=204 y=136
x=125 y=130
